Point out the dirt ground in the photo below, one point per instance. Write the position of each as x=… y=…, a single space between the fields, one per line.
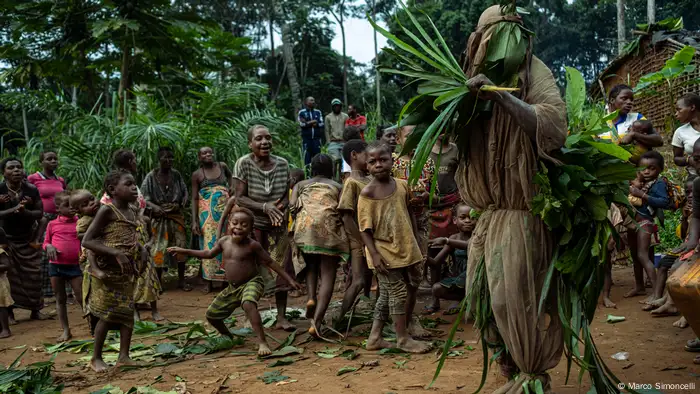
x=653 y=345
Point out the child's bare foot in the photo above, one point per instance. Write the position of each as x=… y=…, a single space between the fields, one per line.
x=284 y=324
x=607 y=302
x=667 y=309
x=98 y=365
x=377 y=343
x=310 y=309
x=416 y=330
x=635 y=292
x=412 y=346
x=680 y=323
x=126 y=361
x=264 y=350
x=157 y=317
x=649 y=300
x=12 y=321
x=66 y=336
x=5 y=334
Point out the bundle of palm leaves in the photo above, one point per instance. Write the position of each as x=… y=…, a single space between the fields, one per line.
x=574 y=194
x=34 y=378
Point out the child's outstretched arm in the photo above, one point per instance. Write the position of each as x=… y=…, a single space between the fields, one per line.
x=265 y=259
x=229 y=206
x=202 y=254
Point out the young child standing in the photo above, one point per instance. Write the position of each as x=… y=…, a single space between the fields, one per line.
x=388 y=231
x=62 y=247
x=453 y=288
x=6 y=300
x=354 y=152
x=653 y=199
x=319 y=236
x=243 y=259
x=114 y=239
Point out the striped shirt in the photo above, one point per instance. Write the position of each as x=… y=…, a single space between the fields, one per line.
x=263 y=186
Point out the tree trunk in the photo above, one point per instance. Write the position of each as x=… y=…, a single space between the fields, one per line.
x=288 y=52
x=345 y=58
x=271 y=22
x=26 y=126
x=124 y=81
x=74 y=96
x=651 y=11
x=621 y=40
x=376 y=66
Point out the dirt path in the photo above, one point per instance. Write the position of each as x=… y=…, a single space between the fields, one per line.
x=653 y=345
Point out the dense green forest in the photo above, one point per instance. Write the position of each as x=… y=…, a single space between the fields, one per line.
x=86 y=76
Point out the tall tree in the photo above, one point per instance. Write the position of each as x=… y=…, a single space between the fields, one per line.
x=341 y=10
x=651 y=11
x=621 y=30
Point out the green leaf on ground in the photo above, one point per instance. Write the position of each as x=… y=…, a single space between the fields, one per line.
x=328 y=352
x=469 y=347
x=272 y=377
x=349 y=354
x=344 y=370
x=281 y=362
x=166 y=349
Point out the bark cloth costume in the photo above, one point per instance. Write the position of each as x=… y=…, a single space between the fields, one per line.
x=496 y=177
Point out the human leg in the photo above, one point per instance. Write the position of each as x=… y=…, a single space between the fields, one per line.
x=251 y=311
x=607 y=283
x=381 y=316
x=124 y=345
x=358 y=267
x=97 y=363
x=433 y=278
x=328 y=269
x=643 y=244
x=312 y=270
x=5 y=323
x=639 y=289
x=59 y=289
x=412 y=276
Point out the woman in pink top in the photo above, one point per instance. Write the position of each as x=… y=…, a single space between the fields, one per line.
x=63 y=250
x=48 y=184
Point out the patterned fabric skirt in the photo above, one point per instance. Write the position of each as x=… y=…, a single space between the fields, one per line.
x=5 y=294
x=212 y=202
x=168 y=231
x=110 y=299
x=25 y=275
x=147 y=288
x=277 y=244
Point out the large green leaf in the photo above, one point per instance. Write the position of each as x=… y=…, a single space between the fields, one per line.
x=575 y=94
x=610 y=149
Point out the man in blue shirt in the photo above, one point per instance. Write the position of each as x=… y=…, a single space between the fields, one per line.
x=312 y=133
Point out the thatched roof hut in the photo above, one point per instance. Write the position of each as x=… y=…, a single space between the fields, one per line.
x=648 y=56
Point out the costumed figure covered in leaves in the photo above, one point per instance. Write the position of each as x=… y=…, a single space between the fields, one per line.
x=501 y=149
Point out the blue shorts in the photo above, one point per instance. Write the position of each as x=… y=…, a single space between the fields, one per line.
x=67 y=271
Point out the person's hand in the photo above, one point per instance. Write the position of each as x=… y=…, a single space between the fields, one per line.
x=636 y=192
x=474 y=84
x=125 y=264
x=170 y=207
x=686 y=247
x=52 y=252
x=26 y=200
x=441 y=241
x=175 y=250
x=19 y=208
x=157 y=211
x=295 y=285
x=379 y=264
x=276 y=216
x=628 y=138
x=4 y=198
x=312 y=122
x=195 y=228
x=279 y=204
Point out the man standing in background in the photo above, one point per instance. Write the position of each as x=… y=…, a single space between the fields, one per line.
x=335 y=126
x=312 y=135
x=357 y=120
